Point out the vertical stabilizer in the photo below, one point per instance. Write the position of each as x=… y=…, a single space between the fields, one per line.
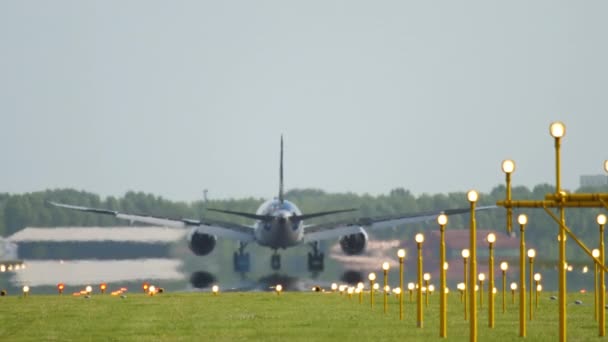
x=281 y=173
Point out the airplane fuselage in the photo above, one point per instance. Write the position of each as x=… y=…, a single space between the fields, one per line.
x=284 y=230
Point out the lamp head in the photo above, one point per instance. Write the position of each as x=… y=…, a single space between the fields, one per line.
x=419 y=238
x=465 y=253
x=445 y=265
x=427 y=276
x=508 y=166
x=401 y=253
x=410 y=286
x=372 y=276
x=472 y=196
x=601 y=219
x=522 y=219
x=491 y=238
x=595 y=253
x=460 y=286
x=531 y=253
x=557 y=129
x=537 y=277
x=504 y=266
x=442 y=219
x=385 y=266
x=513 y=286
x=360 y=285
x=539 y=287
x=606 y=165
x=482 y=277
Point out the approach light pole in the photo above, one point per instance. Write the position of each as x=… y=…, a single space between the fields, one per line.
x=472 y=196
x=401 y=255
x=531 y=255
x=442 y=220
x=491 y=240
x=427 y=278
x=504 y=266
x=508 y=166
x=419 y=318
x=522 y=219
x=558 y=130
x=372 y=278
x=596 y=254
x=482 y=277
x=601 y=221
x=537 y=278
x=385 y=268
x=465 y=256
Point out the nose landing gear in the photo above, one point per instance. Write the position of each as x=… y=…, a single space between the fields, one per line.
x=275 y=261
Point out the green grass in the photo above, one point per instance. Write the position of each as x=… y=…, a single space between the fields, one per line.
x=268 y=317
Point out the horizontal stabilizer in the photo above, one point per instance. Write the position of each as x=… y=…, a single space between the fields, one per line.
x=243 y=214
x=323 y=213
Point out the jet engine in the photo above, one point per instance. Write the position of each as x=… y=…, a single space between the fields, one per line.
x=354 y=244
x=200 y=243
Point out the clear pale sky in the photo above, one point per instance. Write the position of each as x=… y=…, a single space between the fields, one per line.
x=172 y=97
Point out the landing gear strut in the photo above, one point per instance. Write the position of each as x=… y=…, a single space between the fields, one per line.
x=241 y=260
x=275 y=261
x=315 y=259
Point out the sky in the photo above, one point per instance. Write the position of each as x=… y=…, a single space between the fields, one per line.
x=173 y=97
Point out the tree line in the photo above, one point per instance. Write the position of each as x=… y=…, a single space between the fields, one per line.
x=18 y=211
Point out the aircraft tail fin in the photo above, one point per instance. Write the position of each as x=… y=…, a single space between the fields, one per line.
x=281 y=174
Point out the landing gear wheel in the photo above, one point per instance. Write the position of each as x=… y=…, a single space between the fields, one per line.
x=241 y=262
x=316 y=259
x=316 y=262
x=275 y=262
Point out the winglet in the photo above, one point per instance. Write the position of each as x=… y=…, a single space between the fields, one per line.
x=281 y=174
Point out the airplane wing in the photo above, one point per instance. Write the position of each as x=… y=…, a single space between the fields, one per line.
x=221 y=229
x=338 y=229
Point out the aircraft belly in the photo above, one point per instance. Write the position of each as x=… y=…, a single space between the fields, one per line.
x=279 y=237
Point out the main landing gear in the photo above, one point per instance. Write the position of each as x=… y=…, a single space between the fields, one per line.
x=275 y=261
x=241 y=260
x=315 y=259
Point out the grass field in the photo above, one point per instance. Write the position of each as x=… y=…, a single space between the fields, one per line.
x=268 y=317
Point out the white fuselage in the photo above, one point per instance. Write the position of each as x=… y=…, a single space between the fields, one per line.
x=284 y=230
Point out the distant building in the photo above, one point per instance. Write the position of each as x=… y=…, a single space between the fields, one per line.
x=594 y=180
x=71 y=243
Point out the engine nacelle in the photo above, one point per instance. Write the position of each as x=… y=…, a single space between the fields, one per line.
x=354 y=244
x=200 y=243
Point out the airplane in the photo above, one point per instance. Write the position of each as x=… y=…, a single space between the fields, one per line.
x=279 y=224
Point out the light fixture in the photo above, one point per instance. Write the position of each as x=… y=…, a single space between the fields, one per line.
x=442 y=220
x=508 y=166
x=557 y=129
x=522 y=219
x=472 y=196
x=601 y=219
